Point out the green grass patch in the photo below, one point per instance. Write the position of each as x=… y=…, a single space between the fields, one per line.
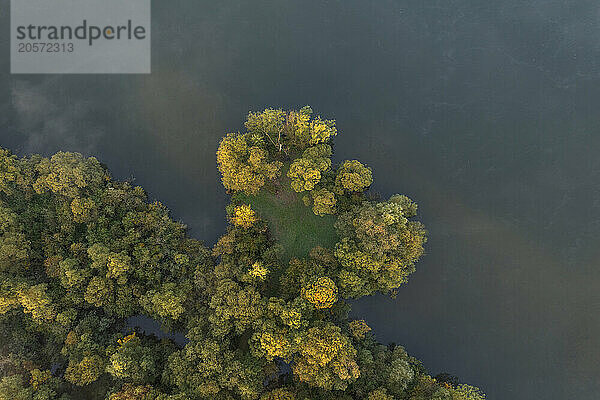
x=293 y=224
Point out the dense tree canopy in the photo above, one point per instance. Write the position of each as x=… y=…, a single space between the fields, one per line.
x=81 y=252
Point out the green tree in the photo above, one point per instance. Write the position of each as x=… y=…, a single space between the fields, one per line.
x=86 y=371
x=268 y=125
x=13 y=388
x=35 y=301
x=167 y=302
x=134 y=392
x=81 y=252
x=379 y=246
x=69 y=175
x=138 y=359
x=235 y=307
x=326 y=358
x=279 y=394
x=466 y=392
x=207 y=368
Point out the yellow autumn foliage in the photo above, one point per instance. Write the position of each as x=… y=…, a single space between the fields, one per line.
x=36 y=302
x=353 y=176
x=322 y=292
x=326 y=358
x=304 y=174
x=275 y=344
x=245 y=167
x=324 y=202
x=258 y=271
x=126 y=339
x=244 y=216
x=38 y=377
x=307 y=131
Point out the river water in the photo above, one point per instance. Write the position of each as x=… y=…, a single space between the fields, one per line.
x=485 y=113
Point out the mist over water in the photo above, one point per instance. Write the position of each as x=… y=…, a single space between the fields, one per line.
x=485 y=113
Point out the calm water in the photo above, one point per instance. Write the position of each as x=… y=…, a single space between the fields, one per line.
x=486 y=113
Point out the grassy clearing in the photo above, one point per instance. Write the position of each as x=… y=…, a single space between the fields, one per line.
x=293 y=224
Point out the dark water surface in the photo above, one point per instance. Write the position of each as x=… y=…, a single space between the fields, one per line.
x=485 y=112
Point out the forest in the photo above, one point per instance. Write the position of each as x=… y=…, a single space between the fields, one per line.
x=265 y=310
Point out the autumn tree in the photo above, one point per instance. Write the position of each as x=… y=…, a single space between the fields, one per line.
x=323 y=202
x=279 y=394
x=306 y=171
x=244 y=216
x=322 y=292
x=326 y=358
x=81 y=252
x=380 y=245
x=244 y=163
x=306 y=130
x=353 y=176
x=137 y=358
x=134 y=392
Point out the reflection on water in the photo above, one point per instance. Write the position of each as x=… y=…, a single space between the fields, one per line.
x=484 y=112
x=151 y=327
